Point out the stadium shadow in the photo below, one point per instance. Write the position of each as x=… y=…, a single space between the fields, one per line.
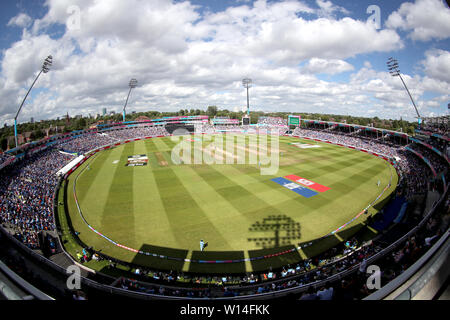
x=276 y=234
x=278 y=230
x=262 y=262
x=175 y=260
x=211 y=262
x=380 y=205
x=317 y=246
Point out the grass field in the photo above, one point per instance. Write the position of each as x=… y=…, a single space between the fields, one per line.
x=237 y=210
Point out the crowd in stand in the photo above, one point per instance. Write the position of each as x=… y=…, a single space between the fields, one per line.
x=416 y=173
x=389 y=150
x=233 y=127
x=272 y=121
x=440 y=144
x=137 y=132
x=85 y=143
x=438 y=163
x=26 y=195
x=204 y=128
x=439 y=126
x=4 y=157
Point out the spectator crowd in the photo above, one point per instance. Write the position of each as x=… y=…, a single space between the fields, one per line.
x=26 y=194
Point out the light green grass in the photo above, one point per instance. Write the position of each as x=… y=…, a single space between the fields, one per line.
x=177 y=205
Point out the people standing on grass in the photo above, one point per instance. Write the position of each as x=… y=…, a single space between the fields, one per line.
x=202 y=245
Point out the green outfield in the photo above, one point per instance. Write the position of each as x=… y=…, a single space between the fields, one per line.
x=166 y=208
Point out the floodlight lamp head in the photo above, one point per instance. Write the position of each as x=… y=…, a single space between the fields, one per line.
x=392 y=65
x=47 y=64
x=247 y=82
x=133 y=83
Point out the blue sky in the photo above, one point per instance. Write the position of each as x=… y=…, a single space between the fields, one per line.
x=305 y=56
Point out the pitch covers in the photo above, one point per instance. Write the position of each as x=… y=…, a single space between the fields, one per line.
x=301 y=185
x=308 y=183
x=137 y=160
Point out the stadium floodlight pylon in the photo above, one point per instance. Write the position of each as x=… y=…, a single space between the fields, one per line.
x=392 y=65
x=247 y=83
x=132 y=84
x=45 y=68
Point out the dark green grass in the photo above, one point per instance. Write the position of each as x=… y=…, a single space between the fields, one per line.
x=273 y=262
x=238 y=267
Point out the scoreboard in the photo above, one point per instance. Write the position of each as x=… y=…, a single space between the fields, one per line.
x=294 y=121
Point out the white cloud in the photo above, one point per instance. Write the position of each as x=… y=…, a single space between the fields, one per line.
x=22 y=20
x=274 y=31
x=437 y=64
x=330 y=66
x=423 y=19
x=327 y=9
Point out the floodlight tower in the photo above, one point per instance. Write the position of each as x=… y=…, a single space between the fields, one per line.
x=392 y=65
x=247 y=83
x=132 y=84
x=45 y=68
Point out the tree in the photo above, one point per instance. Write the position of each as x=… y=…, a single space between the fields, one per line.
x=80 y=124
x=211 y=111
x=11 y=144
x=4 y=144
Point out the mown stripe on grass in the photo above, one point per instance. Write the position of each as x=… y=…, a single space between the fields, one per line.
x=161 y=145
x=154 y=221
x=96 y=164
x=152 y=160
x=187 y=220
x=226 y=218
x=250 y=205
x=118 y=215
x=93 y=185
x=256 y=184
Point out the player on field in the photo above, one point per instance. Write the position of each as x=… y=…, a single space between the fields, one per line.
x=202 y=245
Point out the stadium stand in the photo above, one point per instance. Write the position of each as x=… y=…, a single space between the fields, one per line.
x=28 y=186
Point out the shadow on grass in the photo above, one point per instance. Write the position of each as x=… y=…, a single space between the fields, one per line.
x=148 y=258
x=263 y=263
x=277 y=230
x=217 y=268
x=381 y=204
x=317 y=246
x=274 y=234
